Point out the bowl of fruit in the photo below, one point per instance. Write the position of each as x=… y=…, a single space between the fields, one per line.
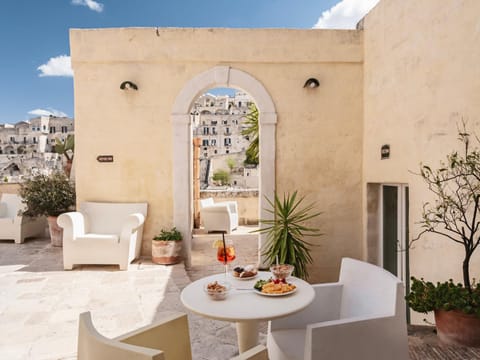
x=217 y=290
x=281 y=271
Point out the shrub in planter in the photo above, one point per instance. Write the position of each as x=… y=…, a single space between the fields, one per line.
x=454 y=215
x=48 y=196
x=167 y=247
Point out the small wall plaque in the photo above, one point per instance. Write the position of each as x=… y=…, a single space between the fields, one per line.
x=105 y=158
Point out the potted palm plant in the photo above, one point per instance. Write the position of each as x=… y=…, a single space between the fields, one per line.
x=286 y=233
x=167 y=247
x=455 y=215
x=48 y=196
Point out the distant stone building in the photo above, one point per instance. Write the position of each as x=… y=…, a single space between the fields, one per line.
x=218 y=122
x=26 y=148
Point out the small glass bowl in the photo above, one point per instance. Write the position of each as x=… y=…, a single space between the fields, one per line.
x=217 y=290
x=281 y=271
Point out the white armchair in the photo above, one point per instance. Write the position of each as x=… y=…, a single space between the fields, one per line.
x=220 y=216
x=360 y=317
x=18 y=227
x=103 y=233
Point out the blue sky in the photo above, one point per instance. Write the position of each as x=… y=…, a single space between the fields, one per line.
x=34 y=43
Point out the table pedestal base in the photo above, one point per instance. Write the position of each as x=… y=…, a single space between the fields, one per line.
x=247 y=335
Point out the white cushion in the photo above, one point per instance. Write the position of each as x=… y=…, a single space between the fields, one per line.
x=286 y=344
x=104 y=238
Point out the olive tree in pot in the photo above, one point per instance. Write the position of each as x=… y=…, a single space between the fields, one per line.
x=286 y=232
x=48 y=196
x=167 y=247
x=455 y=215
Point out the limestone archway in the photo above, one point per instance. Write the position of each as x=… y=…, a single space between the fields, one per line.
x=219 y=76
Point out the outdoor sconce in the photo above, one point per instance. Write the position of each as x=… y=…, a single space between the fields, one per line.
x=127 y=85
x=385 y=152
x=311 y=83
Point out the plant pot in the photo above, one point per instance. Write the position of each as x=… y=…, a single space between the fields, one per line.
x=56 y=232
x=457 y=328
x=166 y=252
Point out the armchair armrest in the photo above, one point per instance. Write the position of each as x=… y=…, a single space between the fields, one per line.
x=232 y=206
x=131 y=224
x=369 y=337
x=3 y=209
x=73 y=224
x=324 y=307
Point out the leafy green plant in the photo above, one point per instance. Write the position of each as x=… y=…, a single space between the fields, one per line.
x=222 y=176
x=455 y=212
x=286 y=232
x=453 y=215
x=425 y=296
x=66 y=147
x=251 y=131
x=169 y=235
x=47 y=195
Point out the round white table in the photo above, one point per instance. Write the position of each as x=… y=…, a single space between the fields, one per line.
x=246 y=307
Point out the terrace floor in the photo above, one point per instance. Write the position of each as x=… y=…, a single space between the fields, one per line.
x=40 y=303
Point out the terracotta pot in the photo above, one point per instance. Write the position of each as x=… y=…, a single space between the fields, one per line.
x=56 y=232
x=457 y=328
x=166 y=252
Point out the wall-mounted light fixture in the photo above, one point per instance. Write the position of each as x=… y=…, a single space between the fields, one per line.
x=311 y=83
x=128 y=85
x=385 y=152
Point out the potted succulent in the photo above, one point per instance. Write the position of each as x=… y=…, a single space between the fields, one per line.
x=48 y=196
x=455 y=215
x=286 y=232
x=167 y=247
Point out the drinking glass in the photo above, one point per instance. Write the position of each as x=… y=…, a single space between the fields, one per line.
x=226 y=253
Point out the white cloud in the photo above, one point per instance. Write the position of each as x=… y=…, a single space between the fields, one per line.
x=345 y=15
x=91 y=4
x=50 y=111
x=57 y=66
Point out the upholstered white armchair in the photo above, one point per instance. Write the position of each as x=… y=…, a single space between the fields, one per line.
x=362 y=316
x=167 y=339
x=103 y=233
x=220 y=216
x=18 y=227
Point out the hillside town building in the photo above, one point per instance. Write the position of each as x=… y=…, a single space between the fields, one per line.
x=26 y=148
x=217 y=122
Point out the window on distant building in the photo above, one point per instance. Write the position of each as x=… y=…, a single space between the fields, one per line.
x=227 y=130
x=227 y=141
x=204 y=142
x=44 y=127
x=34 y=140
x=206 y=130
x=214 y=131
x=52 y=130
x=227 y=152
x=64 y=129
x=225 y=122
x=215 y=151
x=213 y=142
x=205 y=155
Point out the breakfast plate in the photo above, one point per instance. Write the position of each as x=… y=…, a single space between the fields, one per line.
x=275 y=295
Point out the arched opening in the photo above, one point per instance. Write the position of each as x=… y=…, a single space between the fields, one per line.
x=220 y=76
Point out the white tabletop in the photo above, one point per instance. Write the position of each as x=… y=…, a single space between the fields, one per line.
x=245 y=305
